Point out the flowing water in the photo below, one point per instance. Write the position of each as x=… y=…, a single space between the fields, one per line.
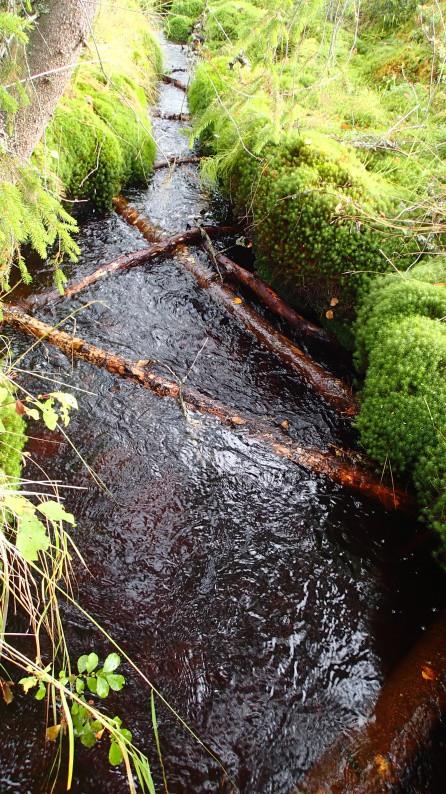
x=265 y=602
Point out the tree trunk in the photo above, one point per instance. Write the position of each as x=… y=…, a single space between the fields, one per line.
x=50 y=56
x=340 y=467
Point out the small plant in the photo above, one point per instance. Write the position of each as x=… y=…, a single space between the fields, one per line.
x=88 y=724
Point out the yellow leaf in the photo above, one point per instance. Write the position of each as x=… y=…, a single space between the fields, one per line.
x=334 y=301
x=382 y=765
x=100 y=734
x=428 y=673
x=237 y=300
x=329 y=314
x=285 y=424
x=53 y=732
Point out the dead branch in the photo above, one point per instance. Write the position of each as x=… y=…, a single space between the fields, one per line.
x=159 y=114
x=167 y=78
x=409 y=709
x=174 y=160
x=126 y=261
x=267 y=296
x=332 y=389
x=336 y=467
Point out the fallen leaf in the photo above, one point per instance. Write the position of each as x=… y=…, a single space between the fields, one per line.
x=285 y=424
x=99 y=734
x=329 y=314
x=7 y=695
x=428 y=673
x=334 y=301
x=53 y=732
x=19 y=407
x=382 y=765
x=237 y=300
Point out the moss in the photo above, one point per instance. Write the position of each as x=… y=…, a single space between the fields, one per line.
x=179 y=27
x=306 y=199
x=395 y=297
x=100 y=136
x=230 y=21
x=187 y=8
x=12 y=432
x=403 y=407
x=430 y=484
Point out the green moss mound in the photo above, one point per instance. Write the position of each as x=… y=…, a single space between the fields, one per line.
x=430 y=483
x=230 y=21
x=308 y=197
x=187 y=8
x=395 y=297
x=179 y=27
x=403 y=408
x=12 y=432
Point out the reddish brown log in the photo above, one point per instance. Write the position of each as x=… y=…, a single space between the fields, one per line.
x=409 y=709
x=174 y=160
x=125 y=262
x=152 y=233
x=167 y=78
x=337 y=467
x=332 y=389
x=269 y=298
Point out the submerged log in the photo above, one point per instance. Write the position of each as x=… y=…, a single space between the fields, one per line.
x=409 y=709
x=167 y=78
x=337 y=467
x=126 y=261
x=174 y=160
x=267 y=296
x=332 y=389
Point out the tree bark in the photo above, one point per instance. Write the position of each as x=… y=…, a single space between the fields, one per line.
x=409 y=709
x=50 y=56
x=338 y=467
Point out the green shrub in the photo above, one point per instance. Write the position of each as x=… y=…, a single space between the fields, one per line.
x=179 y=28
x=388 y=15
x=403 y=406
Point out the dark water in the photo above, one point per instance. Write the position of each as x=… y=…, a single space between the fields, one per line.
x=267 y=604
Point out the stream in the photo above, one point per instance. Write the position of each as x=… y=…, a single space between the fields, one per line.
x=266 y=603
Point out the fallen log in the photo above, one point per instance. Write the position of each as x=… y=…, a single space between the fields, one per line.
x=159 y=114
x=337 y=467
x=174 y=160
x=125 y=262
x=267 y=296
x=169 y=80
x=332 y=389
x=151 y=232
x=408 y=711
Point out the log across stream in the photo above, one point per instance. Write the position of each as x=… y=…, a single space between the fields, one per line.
x=268 y=603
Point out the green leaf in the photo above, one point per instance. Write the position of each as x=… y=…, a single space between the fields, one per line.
x=49 y=415
x=28 y=683
x=115 y=681
x=32 y=412
x=80 y=686
x=67 y=403
x=102 y=686
x=111 y=663
x=92 y=662
x=31 y=538
x=88 y=739
x=92 y=684
x=115 y=754
x=82 y=663
x=55 y=512
x=41 y=692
